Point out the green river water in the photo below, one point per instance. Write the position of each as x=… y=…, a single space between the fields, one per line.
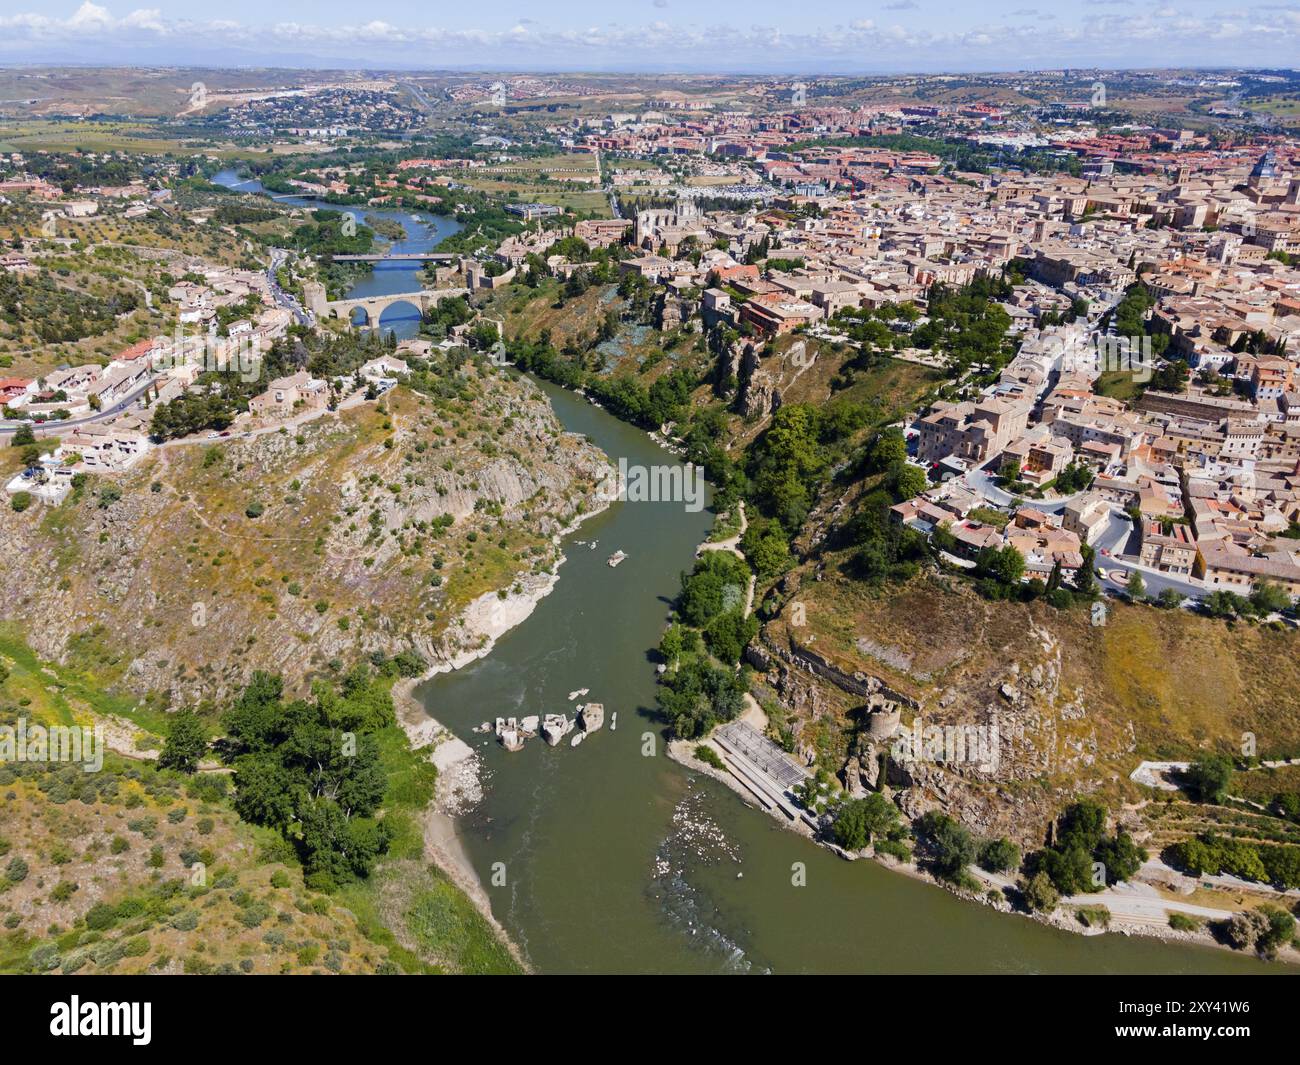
x=614 y=861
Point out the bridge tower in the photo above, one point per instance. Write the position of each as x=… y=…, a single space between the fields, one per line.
x=314 y=292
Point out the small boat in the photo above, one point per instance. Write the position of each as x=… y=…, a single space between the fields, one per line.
x=615 y=559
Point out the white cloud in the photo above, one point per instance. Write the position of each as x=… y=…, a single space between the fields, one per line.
x=1093 y=34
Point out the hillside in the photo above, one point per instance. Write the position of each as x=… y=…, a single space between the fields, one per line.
x=300 y=551
x=135 y=869
x=1077 y=706
x=352 y=542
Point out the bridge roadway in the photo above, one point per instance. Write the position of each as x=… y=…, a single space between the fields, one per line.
x=397 y=257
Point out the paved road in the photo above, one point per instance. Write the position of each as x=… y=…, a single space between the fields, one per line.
x=983 y=483
x=57 y=428
x=1120 y=540
x=282 y=298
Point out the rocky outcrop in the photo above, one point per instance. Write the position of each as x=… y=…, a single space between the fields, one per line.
x=172 y=586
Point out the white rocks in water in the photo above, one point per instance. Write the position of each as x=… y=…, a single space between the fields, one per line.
x=574 y=694
x=555 y=727
x=511 y=733
x=592 y=716
x=530 y=723
x=578 y=737
x=613 y=721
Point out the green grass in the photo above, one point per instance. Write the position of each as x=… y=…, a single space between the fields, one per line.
x=53 y=693
x=989 y=516
x=444 y=921
x=1117 y=384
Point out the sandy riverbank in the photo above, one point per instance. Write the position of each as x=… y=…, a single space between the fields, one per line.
x=459 y=788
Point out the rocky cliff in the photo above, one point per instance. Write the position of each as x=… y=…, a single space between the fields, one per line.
x=366 y=531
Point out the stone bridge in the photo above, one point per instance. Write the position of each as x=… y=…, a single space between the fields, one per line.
x=373 y=307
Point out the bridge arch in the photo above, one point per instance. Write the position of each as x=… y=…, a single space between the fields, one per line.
x=373 y=308
x=410 y=304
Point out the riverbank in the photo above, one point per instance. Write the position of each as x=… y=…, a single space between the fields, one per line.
x=1139 y=910
x=457 y=789
x=459 y=786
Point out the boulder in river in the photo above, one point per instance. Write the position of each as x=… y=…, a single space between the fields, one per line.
x=592 y=716
x=555 y=727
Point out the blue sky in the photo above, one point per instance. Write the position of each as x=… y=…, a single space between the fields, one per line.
x=759 y=36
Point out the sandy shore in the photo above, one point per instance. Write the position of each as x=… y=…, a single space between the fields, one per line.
x=457 y=789
x=484 y=621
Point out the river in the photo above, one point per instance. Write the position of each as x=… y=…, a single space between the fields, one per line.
x=612 y=858
x=424 y=232
x=618 y=861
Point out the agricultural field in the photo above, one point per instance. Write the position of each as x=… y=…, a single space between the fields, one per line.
x=571 y=181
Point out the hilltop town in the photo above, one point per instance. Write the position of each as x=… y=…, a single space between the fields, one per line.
x=996 y=384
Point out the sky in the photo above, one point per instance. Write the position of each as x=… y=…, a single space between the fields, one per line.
x=670 y=36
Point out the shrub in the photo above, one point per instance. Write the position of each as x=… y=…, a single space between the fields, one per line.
x=859 y=821
x=1207 y=778
x=1280 y=931
x=999 y=856
x=895 y=848
x=20 y=501
x=1041 y=894
x=950 y=844
x=1243 y=930
x=101 y=917
x=63 y=890
x=708 y=756
x=1093 y=916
